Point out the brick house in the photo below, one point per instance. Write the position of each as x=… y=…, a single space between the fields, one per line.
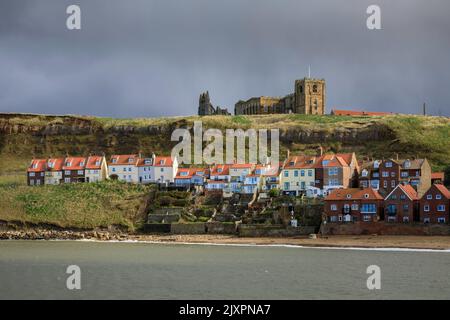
x=369 y=177
x=389 y=175
x=402 y=205
x=437 y=178
x=353 y=204
x=74 y=169
x=434 y=205
x=36 y=172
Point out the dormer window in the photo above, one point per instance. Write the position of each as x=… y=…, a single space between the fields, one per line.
x=199 y=173
x=219 y=170
x=325 y=162
x=81 y=163
x=365 y=173
x=68 y=164
x=349 y=196
x=407 y=164
x=366 y=196
x=130 y=160
x=389 y=164
x=184 y=173
x=97 y=163
x=34 y=165
x=114 y=160
x=376 y=164
x=291 y=163
x=147 y=161
x=161 y=162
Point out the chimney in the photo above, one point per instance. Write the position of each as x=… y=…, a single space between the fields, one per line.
x=396 y=156
x=288 y=154
x=320 y=151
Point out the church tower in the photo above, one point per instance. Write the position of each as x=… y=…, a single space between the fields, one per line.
x=310 y=96
x=204 y=105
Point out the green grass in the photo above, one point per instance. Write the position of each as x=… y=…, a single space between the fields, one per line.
x=81 y=205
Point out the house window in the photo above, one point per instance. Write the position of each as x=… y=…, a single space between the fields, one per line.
x=286 y=186
x=392 y=174
x=67 y=180
x=368 y=208
x=125 y=169
x=385 y=184
x=355 y=207
x=295 y=173
x=364 y=184
x=438 y=197
x=80 y=172
x=129 y=169
x=404 y=174
x=392 y=209
x=67 y=172
x=426 y=220
x=405 y=207
x=333 y=207
x=426 y=208
x=393 y=184
x=310 y=173
x=32 y=174
x=405 y=219
x=31 y=182
x=333 y=171
x=113 y=169
x=286 y=174
x=441 y=220
x=441 y=207
x=402 y=197
x=333 y=219
x=114 y=160
x=302 y=173
x=366 y=218
x=385 y=174
x=389 y=164
x=429 y=197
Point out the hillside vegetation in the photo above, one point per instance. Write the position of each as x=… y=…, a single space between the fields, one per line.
x=76 y=205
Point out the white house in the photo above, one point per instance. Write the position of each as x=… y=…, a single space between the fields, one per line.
x=146 y=172
x=123 y=168
x=164 y=169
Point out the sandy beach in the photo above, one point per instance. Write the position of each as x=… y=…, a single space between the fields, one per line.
x=366 y=241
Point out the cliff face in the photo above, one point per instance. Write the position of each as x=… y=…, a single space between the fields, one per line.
x=26 y=136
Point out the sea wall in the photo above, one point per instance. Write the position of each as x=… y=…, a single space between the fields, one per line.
x=255 y=230
x=188 y=228
x=385 y=228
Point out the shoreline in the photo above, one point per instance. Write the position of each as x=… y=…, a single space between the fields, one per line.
x=381 y=242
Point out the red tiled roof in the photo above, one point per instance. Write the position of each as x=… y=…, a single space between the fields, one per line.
x=163 y=162
x=74 y=163
x=437 y=176
x=409 y=191
x=337 y=112
x=37 y=165
x=92 y=162
x=242 y=165
x=141 y=162
x=123 y=159
x=224 y=167
x=190 y=172
x=300 y=162
x=442 y=189
x=55 y=164
x=356 y=194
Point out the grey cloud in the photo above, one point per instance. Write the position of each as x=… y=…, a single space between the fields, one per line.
x=153 y=58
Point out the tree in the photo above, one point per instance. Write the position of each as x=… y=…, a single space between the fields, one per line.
x=447 y=176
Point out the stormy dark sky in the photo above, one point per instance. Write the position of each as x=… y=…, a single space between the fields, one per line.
x=153 y=58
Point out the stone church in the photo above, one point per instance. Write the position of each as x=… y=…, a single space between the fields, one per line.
x=308 y=98
x=205 y=107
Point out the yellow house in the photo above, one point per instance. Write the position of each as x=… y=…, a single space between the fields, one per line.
x=298 y=174
x=54 y=172
x=96 y=169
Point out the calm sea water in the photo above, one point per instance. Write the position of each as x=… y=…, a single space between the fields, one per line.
x=37 y=269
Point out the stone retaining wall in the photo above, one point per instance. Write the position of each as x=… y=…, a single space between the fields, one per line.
x=188 y=228
x=385 y=228
x=255 y=230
